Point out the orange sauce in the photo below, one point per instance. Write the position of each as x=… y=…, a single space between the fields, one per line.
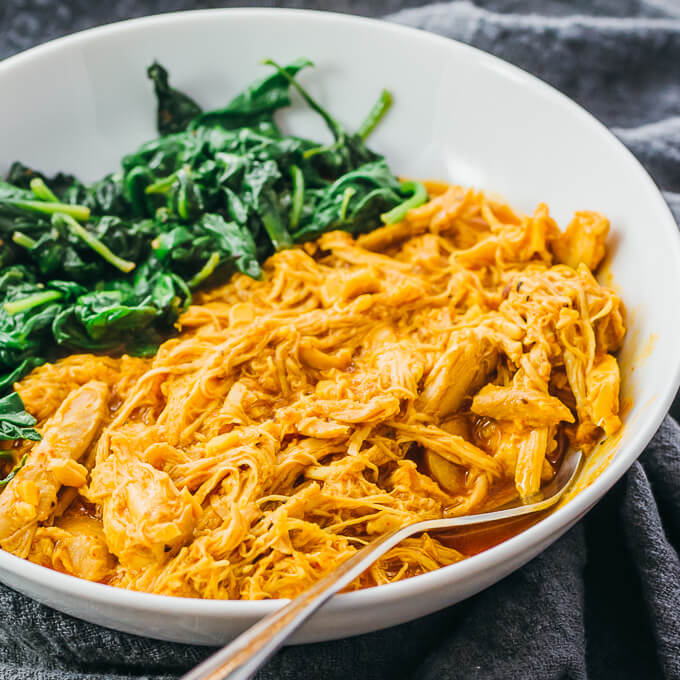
x=474 y=540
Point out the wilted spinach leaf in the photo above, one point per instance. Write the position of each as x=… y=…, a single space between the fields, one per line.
x=175 y=109
x=15 y=423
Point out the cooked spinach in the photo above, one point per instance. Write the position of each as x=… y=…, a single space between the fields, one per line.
x=15 y=469
x=109 y=266
x=175 y=109
x=15 y=423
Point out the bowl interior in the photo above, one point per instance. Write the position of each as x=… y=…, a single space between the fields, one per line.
x=459 y=115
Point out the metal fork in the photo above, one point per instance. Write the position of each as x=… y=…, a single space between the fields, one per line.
x=242 y=657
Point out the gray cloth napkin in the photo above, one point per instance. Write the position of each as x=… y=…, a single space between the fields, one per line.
x=602 y=602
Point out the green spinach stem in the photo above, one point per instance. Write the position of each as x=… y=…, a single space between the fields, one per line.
x=309 y=153
x=298 y=197
x=162 y=186
x=30 y=301
x=346 y=196
x=206 y=270
x=376 y=114
x=333 y=125
x=42 y=191
x=100 y=248
x=75 y=212
x=23 y=240
x=418 y=197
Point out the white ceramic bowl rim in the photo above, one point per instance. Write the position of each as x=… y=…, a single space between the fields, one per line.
x=646 y=425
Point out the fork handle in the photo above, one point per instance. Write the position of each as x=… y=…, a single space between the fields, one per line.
x=242 y=657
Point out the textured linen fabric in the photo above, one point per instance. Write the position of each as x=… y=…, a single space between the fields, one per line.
x=603 y=601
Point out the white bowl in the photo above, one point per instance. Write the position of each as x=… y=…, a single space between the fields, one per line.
x=79 y=103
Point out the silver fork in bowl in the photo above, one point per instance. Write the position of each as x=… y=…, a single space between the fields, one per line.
x=242 y=657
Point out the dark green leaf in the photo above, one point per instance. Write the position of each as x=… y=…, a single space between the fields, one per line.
x=175 y=109
x=15 y=423
x=260 y=100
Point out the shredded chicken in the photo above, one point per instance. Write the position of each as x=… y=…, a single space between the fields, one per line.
x=32 y=495
x=431 y=367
